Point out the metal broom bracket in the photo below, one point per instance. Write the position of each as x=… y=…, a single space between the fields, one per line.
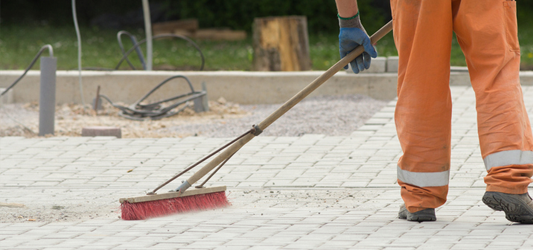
x=256 y=130
x=197 y=163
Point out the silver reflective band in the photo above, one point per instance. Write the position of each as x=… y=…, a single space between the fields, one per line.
x=424 y=179
x=510 y=157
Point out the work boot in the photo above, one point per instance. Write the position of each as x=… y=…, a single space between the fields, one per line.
x=517 y=207
x=427 y=214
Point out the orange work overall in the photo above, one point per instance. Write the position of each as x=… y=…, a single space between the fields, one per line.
x=487 y=33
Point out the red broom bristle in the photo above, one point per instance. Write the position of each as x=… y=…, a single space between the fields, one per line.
x=144 y=210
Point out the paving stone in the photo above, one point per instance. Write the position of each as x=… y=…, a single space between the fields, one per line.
x=308 y=192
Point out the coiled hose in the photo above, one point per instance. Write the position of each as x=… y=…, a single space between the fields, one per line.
x=136 y=48
x=50 y=50
x=139 y=53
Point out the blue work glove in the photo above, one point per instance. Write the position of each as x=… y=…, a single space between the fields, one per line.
x=352 y=34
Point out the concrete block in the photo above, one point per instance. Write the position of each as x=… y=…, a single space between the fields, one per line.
x=237 y=87
x=101 y=131
x=458 y=78
x=526 y=78
x=458 y=69
x=383 y=88
x=392 y=64
x=378 y=65
x=7 y=97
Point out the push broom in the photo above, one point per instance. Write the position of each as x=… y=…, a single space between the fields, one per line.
x=182 y=199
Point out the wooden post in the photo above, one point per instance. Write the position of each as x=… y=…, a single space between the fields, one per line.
x=281 y=44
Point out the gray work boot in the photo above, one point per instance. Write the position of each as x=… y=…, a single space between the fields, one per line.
x=427 y=214
x=517 y=207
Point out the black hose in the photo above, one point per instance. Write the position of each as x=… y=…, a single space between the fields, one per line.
x=163 y=36
x=50 y=49
x=134 y=41
x=157 y=110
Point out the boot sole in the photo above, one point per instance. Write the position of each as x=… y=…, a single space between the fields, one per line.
x=418 y=216
x=515 y=209
x=421 y=218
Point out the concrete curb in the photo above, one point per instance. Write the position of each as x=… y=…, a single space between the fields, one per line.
x=234 y=86
x=7 y=97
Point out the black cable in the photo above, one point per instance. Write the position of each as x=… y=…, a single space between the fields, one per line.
x=134 y=41
x=157 y=110
x=163 y=36
x=49 y=47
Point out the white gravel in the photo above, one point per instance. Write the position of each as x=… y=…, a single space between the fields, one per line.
x=328 y=115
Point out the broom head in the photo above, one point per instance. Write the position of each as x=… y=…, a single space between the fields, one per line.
x=143 y=207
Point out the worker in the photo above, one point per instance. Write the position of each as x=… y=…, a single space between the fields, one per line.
x=487 y=33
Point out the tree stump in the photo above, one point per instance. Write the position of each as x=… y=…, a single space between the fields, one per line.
x=281 y=44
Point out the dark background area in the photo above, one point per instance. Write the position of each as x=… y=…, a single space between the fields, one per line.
x=27 y=24
x=234 y=14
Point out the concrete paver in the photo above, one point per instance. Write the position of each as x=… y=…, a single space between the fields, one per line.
x=308 y=192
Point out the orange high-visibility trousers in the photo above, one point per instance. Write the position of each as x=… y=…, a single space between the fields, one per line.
x=487 y=33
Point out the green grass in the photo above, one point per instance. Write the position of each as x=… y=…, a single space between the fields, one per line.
x=525 y=36
x=19 y=44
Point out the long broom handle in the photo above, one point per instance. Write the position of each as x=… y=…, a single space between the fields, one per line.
x=285 y=107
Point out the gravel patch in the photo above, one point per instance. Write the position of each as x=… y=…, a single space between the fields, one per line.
x=328 y=115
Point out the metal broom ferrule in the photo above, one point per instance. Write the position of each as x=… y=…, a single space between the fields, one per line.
x=184 y=186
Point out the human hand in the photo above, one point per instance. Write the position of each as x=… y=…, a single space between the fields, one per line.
x=349 y=39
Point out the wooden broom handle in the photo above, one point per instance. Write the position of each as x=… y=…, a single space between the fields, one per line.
x=289 y=104
x=323 y=78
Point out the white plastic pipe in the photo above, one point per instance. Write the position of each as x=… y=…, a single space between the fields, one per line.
x=148 y=30
x=74 y=16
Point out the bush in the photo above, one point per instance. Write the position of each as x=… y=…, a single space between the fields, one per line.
x=235 y=14
x=239 y=14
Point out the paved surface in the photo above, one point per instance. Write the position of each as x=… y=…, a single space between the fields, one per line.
x=309 y=192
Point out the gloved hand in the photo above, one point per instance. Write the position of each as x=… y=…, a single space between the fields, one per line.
x=352 y=34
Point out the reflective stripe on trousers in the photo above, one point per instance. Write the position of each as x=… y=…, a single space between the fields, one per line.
x=510 y=157
x=424 y=179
